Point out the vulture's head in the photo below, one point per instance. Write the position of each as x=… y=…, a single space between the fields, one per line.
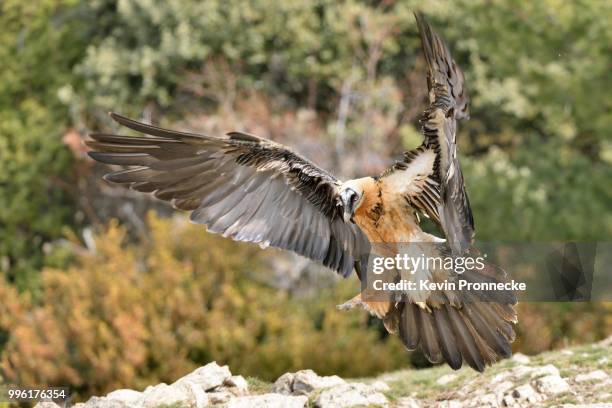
x=351 y=196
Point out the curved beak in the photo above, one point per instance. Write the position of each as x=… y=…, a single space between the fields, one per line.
x=347 y=215
x=347 y=206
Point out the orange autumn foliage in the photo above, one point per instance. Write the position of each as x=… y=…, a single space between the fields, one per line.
x=135 y=315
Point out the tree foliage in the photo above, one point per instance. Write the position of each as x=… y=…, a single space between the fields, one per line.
x=38 y=51
x=132 y=315
x=342 y=81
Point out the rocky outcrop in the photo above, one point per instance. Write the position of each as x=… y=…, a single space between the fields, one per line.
x=350 y=395
x=304 y=382
x=570 y=378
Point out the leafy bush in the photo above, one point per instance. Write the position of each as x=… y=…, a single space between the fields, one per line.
x=132 y=315
x=39 y=44
x=345 y=81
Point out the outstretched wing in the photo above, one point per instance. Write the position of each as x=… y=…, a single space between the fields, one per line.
x=448 y=103
x=457 y=326
x=241 y=186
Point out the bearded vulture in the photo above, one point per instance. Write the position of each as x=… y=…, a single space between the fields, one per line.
x=252 y=189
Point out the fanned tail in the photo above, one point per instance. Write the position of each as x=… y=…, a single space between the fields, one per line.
x=477 y=332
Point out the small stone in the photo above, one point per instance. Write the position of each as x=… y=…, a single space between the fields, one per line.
x=271 y=400
x=520 y=358
x=407 y=402
x=306 y=381
x=509 y=401
x=219 y=397
x=603 y=361
x=597 y=375
x=546 y=370
x=488 y=400
x=446 y=379
x=46 y=404
x=524 y=392
x=284 y=384
x=499 y=377
x=606 y=383
x=197 y=395
x=350 y=395
x=552 y=384
x=607 y=342
x=163 y=394
x=208 y=377
x=102 y=402
x=567 y=352
x=380 y=386
x=238 y=382
x=502 y=387
x=483 y=401
x=124 y=395
x=450 y=404
x=521 y=370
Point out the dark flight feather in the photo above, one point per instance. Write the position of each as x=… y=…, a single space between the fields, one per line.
x=449 y=102
x=240 y=186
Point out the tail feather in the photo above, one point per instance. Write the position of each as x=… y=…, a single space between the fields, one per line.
x=466 y=330
x=465 y=341
x=429 y=336
x=495 y=339
x=449 y=347
x=408 y=326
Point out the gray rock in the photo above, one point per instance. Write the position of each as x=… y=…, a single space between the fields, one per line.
x=238 y=382
x=450 y=404
x=380 y=386
x=483 y=401
x=271 y=400
x=350 y=395
x=520 y=371
x=499 y=377
x=446 y=379
x=102 y=402
x=596 y=405
x=124 y=395
x=46 y=404
x=526 y=392
x=199 y=397
x=546 y=370
x=219 y=397
x=509 y=401
x=520 y=358
x=502 y=387
x=164 y=394
x=306 y=381
x=407 y=402
x=607 y=342
x=208 y=377
x=597 y=375
x=284 y=384
x=552 y=385
x=607 y=384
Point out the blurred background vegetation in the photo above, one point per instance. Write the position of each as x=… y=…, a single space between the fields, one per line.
x=96 y=294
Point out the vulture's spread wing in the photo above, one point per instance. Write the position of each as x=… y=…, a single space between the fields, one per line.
x=448 y=102
x=456 y=326
x=241 y=186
